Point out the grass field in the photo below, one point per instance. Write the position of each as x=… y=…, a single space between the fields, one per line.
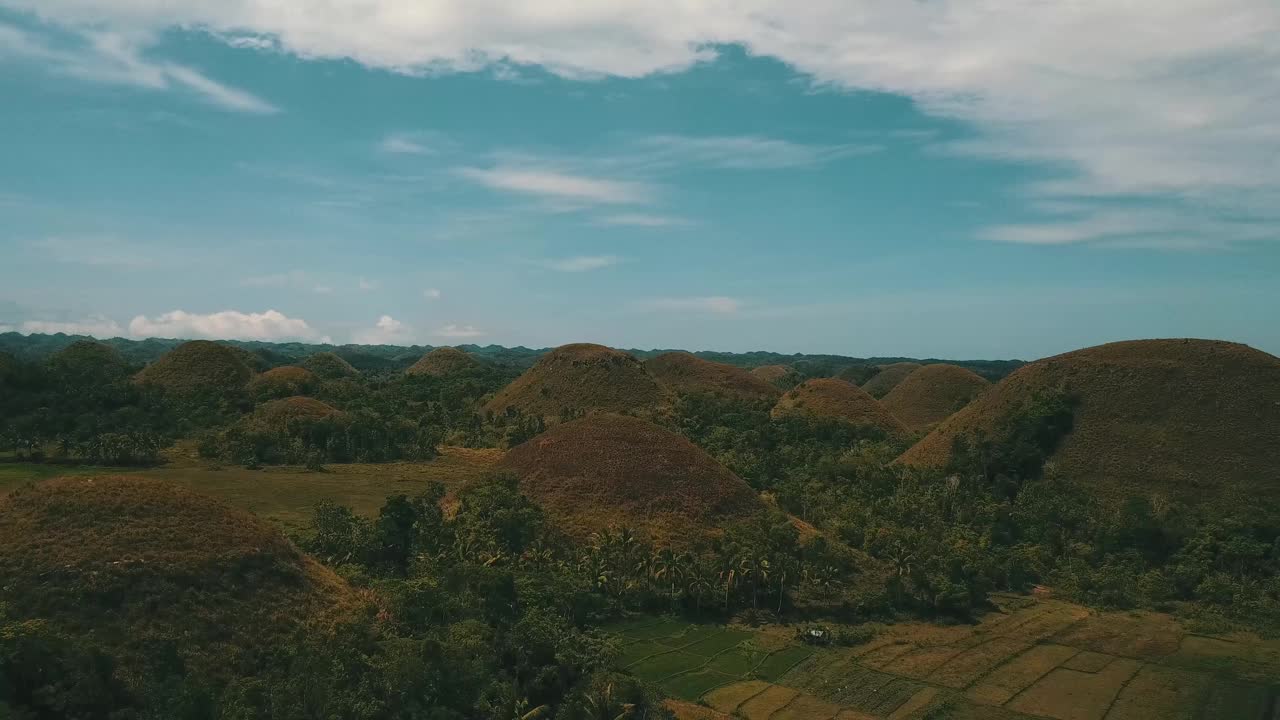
x=1038 y=659
x=285 y=495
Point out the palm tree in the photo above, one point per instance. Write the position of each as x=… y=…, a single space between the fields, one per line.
x=601 y=705
x=671 y=567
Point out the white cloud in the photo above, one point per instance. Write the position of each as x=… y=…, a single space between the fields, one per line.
x=227 y=325
x=552 y=184
x=458 y=331
x=712 y=304
x=1127 y=100
x=581 y=263
x=642 y=220
x=99 y=327
x=116 y=58
x=366 y=285
x=432 y=294
x=1167 y=228
x=387 y=331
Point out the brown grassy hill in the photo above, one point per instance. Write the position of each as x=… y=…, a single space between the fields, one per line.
x=832 y=398
x=85 y=360
x=199 y=365
x=441 y=362
x=283 y=381
x=682 y=372
x=1189 y=418
x=329 y=366
x=888 y=378
x=932 y=394
x=581 y=377
x=772 y=373
x=279 y=412
x=127 y=561
x=610 y=470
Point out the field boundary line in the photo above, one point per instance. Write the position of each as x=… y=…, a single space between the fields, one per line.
x=1120 y=689
x=784 y=707
x=705 y=663
x=1045 y=674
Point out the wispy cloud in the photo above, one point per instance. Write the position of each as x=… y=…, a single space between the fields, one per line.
x=227 y=324
x=642 y=220
x=581 y=263
x=366 y=285
x=432 y=294
x=292 y=278
x=118 y=59
x=553 y=184
x=98 y=326
x=102 y=251
x=716 y=304
x=415 y=143
x=740 y=152
x=1166 y=228
x=453 y=330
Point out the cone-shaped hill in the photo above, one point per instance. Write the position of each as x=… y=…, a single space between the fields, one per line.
x=608 y=471
x=284 y=381
x=281 y=412
x=132 y=561
x=328 y=366
x=88 y=361
x=932 y=394
x=198 y=366
x=1193 y=419
x=839 y=400
x=441 y=362
x=772 y=373
x=581 y=377
x=682 y=372
x=888 y=378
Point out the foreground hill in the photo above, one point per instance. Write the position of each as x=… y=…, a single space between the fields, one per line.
x=837 y=400
x=441 y=362
x=1188 y=418
x=888 y=378
x=198 y=366
x=933 y=393
x=611 y=471
x=581 y=378
x=135 y=563
x=682 y=372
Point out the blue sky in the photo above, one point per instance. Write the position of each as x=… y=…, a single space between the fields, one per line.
x=926 y=179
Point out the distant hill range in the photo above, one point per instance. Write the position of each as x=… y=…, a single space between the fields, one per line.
x=374 y=358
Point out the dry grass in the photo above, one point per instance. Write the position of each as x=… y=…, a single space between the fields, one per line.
x=932 y=394
x=1071 y=695
x=329 y=366
x=134 y=560
x=764 y=705
x=280 y=412
x=584 y=378
x=1019 y=673
x=888 y=378
x=837 y=399
x=610 y=470
x=197 y=366
x=682 y=372
x=283 y=382
x=692 y=711
x=441 y=362
x=1157 y=693
x=286 y=495
x=775 y=374
x=728 y=698
x=1192 y=419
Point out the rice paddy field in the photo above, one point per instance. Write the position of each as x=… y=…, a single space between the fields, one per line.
x=1042 y=659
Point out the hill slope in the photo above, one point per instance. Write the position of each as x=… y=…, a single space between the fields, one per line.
x=441 y=362
x=329 y=366
x=197 y=366
x=581 y=377
x=85 y=361
x=932 y=394
x=610 y=470
x=283 y=381
x=131 y=561
x=1189 y=418
x=839 y=400
x=888 y=378
x=682 y=372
